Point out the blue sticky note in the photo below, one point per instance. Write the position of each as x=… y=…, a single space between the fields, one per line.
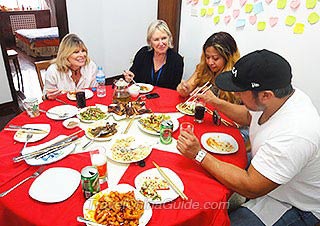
x=240 y=23
x=257 y=8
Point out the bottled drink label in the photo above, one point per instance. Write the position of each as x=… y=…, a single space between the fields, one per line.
x=101 y=87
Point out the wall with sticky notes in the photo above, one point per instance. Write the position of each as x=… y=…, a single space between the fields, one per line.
x=112 y=30
x=288 y=27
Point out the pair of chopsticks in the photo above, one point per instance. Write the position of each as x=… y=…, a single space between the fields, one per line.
x=129 y=124
x=223 y=121
x=201 y=90
x=165 y=176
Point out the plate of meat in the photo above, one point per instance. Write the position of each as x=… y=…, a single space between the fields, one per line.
x=126 y=110
x=101 y=130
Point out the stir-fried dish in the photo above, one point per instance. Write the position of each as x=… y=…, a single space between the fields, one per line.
x=152 y=122
x=92 y=113
x=151 y=185
x=103 y=130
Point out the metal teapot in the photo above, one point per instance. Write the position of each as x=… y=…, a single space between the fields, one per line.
x=121 y=93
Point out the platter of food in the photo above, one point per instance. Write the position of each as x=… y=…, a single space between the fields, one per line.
x=125 y=110
x=150 y=123
x=62 y=112
x=136 y=210
x=186 y=108
x=71 y=95
x=38 y=131
x=128 y=149
x=219 y=143
x=155 y=188
x=145 y=88
x=91 y=114
x=101 y=130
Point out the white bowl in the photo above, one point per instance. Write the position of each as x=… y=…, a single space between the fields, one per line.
x=134 y=90
x=71 y=123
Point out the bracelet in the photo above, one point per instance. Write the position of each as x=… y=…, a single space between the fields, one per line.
x=200 y=155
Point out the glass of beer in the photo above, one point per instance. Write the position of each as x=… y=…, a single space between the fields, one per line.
x=81 y=98
x=199 y=111
x=99 y=160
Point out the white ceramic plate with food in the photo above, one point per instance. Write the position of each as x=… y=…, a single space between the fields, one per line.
x=91 y=114
x=71 y=123
x=188 y=109
x=21 y=134
x=50 y=158
x=55 y=185
x=145 y=88
x=89 y=207
x=154 y=187
x=150 y=123
x=62 y=112
x=128 y=149
x=109 y=129
x=87 y=92
x=219 y=143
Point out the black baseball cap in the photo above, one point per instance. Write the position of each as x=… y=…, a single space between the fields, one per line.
x=259 y=70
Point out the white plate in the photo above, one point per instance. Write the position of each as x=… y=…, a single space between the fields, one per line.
x=97 y=124
x=75 y=122
x=136 y=143
x=219 y=137
x=53 y=157
x=61 y=109
x=189 y=110
x=21 y=135
x=166 y=195
x=87 y=92
x=89 y=206
x=55 y=185
x=150 y=131
x=148 y=87
x=91 y=120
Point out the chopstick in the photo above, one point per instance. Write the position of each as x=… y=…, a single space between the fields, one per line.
x=196 y=92
x=129 y=125
x=162 y=173
x=201 y=90
x=26 y=130
x=225 y=122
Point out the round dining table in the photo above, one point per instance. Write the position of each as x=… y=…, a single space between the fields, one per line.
x=207 y=202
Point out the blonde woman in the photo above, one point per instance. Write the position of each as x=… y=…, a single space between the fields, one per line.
x=157 y=64
x=219 y=54
x=71 y=70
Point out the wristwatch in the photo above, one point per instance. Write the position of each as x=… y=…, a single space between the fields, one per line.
x=200 y=156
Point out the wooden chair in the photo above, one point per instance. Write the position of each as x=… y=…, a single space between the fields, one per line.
x=40 y=66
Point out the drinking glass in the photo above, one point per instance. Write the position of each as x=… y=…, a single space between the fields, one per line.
x=199 y=111
x=186 y=126
x=99 y=160
x=32 y=107
x=81 y=98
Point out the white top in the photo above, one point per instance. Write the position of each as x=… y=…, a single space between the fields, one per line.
x=63 y=81
x=286 y=150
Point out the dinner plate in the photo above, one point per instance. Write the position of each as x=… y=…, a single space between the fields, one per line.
x=166 y=195
x=91 y=117
x=60 y=110
x=145 y=88
x=53 y=157
x=189 y=110
x=153 y=132
x=90 y=204
x=97 y=124
x=124 y=151
x=55 y=185
x=21 y=135
x=221 y=143
x=87 y=92
x=71 y=123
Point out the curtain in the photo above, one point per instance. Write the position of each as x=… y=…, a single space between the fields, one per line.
x=52 y=8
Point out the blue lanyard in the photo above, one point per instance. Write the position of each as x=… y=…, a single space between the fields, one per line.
x=152 y=76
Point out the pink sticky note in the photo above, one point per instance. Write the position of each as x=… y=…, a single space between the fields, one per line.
x=242 y=2
x=273 y=21
x=227 y=19
x=253 y=19
x=295 y=4
x=236 y=13
x=228 y=3
x=268 y=1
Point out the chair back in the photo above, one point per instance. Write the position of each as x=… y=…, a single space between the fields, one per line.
x=40 y=66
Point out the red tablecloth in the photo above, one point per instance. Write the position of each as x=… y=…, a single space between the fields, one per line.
x=18 y=208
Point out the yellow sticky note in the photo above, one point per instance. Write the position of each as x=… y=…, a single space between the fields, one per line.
x=248 y=8
x=281 y=4
x=221 y=9
x=298 y=28
x=310 y=4
x=209 y=11
x=216 y=19
x=313 y=18
x=290 y=20
x=203 y=12
x=206 y=2
x=261 y=26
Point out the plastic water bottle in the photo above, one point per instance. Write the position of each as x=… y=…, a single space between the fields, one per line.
x=101 y=79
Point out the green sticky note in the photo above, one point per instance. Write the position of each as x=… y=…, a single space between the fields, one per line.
x=221 y=9
x=313 y=18
x=298 y=28
x=290 y=20
x=310 y=4
x=203 y=12
x=261 y=26
x=209 y=11
x=216 y=19
x=248 y=8
x=281 y=4
x=206 y=2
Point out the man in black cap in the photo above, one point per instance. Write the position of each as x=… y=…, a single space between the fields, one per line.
x=283 y=179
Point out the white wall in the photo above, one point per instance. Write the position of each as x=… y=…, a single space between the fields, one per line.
x=301 y=50
x=112 y=30
x=5 y=96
